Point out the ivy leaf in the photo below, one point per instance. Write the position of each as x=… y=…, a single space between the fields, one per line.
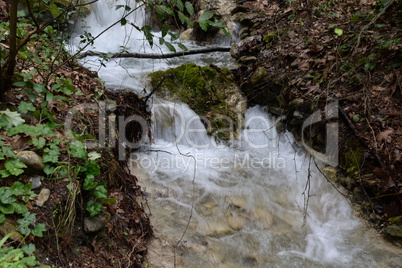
x=26 y=107
x=14 y=166
x=189 y=8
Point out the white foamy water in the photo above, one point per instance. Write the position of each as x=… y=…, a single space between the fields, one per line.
x=247 y=197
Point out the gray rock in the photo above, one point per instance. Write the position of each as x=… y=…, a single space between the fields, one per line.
x=96 y=223
x=236 y=222
x=42 y=197
x=36 y=182
x=247 y=59
x=259 y=76
x=31 y=159
x=237 y=201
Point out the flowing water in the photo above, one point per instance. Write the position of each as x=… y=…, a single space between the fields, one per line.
x=246 y=199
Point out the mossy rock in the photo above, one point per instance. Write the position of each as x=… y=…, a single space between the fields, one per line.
x=210 y=91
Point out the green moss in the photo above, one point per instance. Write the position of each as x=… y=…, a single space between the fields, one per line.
x=270 y=37
x=203 y=89
x=353 y=159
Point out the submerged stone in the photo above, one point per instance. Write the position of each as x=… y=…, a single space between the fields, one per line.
x=210 y=91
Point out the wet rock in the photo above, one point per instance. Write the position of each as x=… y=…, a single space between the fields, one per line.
x=210 y=91
x=263 y=219
x=9 y=227
x=330 y=173
x=36 y=182
x=246 y=47
x=42 y=197
x=218 y=228
x=259 y=76
x=236 y=222
x=394 y=231
x=244 y=32
x=96 y=223
x=32 y=160
x=247 y=59
x=187 y=34
x=237 y=201
x=196 y=247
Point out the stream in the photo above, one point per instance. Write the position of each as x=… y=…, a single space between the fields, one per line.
x=230 y=205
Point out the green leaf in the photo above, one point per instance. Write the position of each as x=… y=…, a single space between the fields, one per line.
x=24 y=223
x=39 y=143
x=6 y=196
x=39 y=88
x=100 y=192
x=2 y=218
x=123 y=21
x=170 y=46
x=206 y=16
x=49 y=170
x=147 y=32
x=51 y=154
x=338 y=31
x=89 y=183
x=94 y=155
x=7 y=151
x=12 y=119
x=77 y=149
x=20 y=84
x=179 y=5
x=54 y=10
x=37 y=130
x=19 y=208
x=204 y=25
x=39 y=229
x=182 y=17
x=167 y=10
x=110 y=201
x=19 y=188
x=4 y=173
x=6 y=208
x=183 y=47
x=26 y=107
x=189 y=8
x=165 y=29
x=29 y=249
x=14 y=166
x=94 y=207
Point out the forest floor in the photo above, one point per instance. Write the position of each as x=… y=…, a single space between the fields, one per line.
x=319 y=52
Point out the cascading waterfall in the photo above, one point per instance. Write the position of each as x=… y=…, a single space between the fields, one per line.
x=247 y=198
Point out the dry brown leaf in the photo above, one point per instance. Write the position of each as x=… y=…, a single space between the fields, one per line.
x=385 y=136
x=304 y=65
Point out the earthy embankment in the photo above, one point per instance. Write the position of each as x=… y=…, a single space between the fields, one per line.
x=300 y=56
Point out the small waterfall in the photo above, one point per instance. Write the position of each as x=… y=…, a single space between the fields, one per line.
x=246 y=198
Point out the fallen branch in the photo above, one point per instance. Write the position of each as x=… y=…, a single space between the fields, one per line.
x=153 y=56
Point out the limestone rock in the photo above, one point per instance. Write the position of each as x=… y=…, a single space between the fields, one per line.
x=31 y=159
x=187 y=34
x=218 y=228
x=237 y=201
x=42 y=197
x=96 y=223
x=236 y=222
x=263 y=218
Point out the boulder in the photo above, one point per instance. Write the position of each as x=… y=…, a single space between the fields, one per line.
x=32 y=160
x=96 y=223
x=210 y=91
